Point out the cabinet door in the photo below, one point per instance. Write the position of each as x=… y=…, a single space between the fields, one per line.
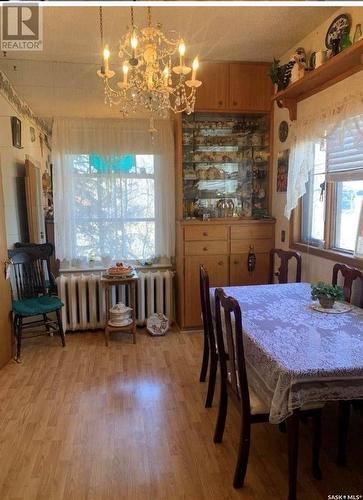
x=217 y=267
x=239 y=274
x=250 y=87
x=212 y=94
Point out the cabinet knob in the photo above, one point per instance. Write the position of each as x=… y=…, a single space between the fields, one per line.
x=205 y=233
x=234 y=103
x=220 y=103
x=220 y=263
x=235 y=262
x=205 y=249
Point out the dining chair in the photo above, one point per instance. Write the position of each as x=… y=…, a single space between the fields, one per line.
x=234 y=385
x=30 y=297
x=44 y=252
x=283 y=271
x=349 y=275
x=210 y=355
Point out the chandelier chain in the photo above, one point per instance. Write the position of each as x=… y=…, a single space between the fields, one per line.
x=101 y=25
x=149 y=16
x=132 y=17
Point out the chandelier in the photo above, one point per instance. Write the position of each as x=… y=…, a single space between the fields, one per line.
x=155 y=76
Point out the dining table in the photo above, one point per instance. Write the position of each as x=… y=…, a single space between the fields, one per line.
x=297 y=355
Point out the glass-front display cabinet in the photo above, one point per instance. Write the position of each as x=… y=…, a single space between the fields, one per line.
x=225 y=165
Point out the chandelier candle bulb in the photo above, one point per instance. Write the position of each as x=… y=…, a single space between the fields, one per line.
x=106 y=56
x=195 y=66
x=181 y=52
x=125 y=69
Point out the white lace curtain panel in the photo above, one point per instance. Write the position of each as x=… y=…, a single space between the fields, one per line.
x=315 y=127
x=112 y=138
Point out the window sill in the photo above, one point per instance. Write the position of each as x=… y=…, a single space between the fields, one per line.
x=335 y=255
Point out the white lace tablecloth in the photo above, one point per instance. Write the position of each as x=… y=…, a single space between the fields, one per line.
x=296 y=355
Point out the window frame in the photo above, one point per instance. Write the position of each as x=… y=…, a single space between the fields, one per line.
x=327 y=251
x=124 y=220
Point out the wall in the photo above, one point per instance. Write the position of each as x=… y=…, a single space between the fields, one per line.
x=314 y=268
x=13 y=171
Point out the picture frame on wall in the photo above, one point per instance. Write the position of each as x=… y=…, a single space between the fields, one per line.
x=32 y=134
x=282 y=171
x=16 y=131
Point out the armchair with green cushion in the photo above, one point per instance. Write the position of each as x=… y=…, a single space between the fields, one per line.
x=30 y=296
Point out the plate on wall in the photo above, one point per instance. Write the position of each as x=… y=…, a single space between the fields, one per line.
x=338 y=308
x=283 y=131
x=335 y=30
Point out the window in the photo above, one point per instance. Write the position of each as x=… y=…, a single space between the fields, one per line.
x=113 y=206
x=332 y=205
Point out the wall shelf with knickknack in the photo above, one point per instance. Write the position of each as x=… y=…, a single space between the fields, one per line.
x=336 y=69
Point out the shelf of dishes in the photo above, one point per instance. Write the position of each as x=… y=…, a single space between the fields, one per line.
x=225 y=165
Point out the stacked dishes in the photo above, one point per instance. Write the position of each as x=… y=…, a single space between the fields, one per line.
x=120 y=315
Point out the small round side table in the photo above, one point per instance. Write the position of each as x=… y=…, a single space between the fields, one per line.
x=107 y=284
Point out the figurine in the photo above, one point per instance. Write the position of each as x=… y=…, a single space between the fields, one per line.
x=295 y=68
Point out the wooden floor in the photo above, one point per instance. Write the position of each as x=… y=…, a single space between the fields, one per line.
x=128 y=422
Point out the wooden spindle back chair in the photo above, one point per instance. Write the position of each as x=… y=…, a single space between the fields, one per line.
x=44 y=252
x=210 y=354
x=283 y=272
x=30 y=297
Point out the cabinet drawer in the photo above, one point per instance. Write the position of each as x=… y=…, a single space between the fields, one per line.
x=249 y=232
x=195 y=233
x=206 y=247
x=243 y=246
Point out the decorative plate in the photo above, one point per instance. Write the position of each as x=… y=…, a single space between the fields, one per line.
x=283 y=131
x=121 y=324
x=338 y=308
x=157 y=324
x=339 y=24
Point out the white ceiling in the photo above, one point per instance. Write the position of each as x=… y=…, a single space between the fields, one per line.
x=61 y=80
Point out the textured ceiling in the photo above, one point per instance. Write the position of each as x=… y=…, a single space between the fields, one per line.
x=61 y=79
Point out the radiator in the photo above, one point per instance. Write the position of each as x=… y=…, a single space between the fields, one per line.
x=84 y=302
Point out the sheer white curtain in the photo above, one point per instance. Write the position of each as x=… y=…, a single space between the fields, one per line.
x=314 y=127
x=87 y=167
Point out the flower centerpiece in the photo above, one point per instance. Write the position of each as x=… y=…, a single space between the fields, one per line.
x=326 y=294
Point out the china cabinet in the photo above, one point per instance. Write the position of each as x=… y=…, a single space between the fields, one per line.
x=223 y=154
x=225 y=165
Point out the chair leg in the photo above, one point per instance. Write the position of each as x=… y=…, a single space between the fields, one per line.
x=205 y=360
x=45 y=319
x=60 y=326
x=293 y=448
x=222 y=413
x=343 y=423
x=211 y=381
x=317 y=432
x=243 y=453
x=19 y=331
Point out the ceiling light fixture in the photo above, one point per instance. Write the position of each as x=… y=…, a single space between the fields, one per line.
x=151 y=78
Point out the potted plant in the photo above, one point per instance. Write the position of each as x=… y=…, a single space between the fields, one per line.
x=326 y=294
x=274 y=73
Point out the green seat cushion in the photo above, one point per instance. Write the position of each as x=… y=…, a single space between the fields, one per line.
x=36 y=305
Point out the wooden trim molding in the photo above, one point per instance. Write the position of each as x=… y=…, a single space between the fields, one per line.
x=295 y=243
